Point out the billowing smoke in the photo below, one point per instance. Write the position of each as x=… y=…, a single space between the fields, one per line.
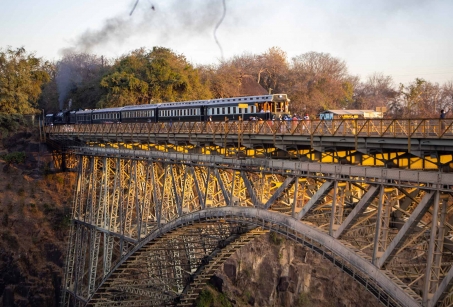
x=63 y=79
x=165 y=20
x=70 y=71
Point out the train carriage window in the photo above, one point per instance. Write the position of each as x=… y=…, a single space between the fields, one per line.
x=218 y=110
x=223 y=110
x=229 y=110
x=234 y=110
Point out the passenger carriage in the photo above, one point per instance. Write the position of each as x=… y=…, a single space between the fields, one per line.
x=265 y=107
x=145 y=113
x=106 y=116
x=187 y=111
x=83 y=116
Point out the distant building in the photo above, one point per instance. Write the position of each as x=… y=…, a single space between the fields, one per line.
x=347 y=114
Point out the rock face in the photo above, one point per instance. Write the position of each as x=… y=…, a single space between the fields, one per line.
x=34 y=221
x=272 y=271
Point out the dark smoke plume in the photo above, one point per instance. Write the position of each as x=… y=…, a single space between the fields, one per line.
x=166 y=21
x=63 y=79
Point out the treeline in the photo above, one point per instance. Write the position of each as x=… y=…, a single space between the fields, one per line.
x=313 y=81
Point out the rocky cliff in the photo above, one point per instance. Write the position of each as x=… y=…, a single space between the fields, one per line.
x=273 y=271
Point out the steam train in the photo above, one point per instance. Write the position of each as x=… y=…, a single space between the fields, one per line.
x=263 y=107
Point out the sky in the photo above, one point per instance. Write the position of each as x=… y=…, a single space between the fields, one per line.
x=405 y=39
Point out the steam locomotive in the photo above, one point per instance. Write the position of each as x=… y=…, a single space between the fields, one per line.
x=264 y=107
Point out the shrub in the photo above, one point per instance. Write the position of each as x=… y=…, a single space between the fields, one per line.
x=275 y=238
x=14 y=157
x=205 y=299
x=303 y=300
x=224 y=302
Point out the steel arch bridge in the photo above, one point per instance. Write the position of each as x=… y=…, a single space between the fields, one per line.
x=149 y=228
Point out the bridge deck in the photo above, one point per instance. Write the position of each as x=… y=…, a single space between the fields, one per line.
x=415 y=144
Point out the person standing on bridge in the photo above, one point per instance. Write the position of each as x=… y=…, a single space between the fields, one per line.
x=442 y=116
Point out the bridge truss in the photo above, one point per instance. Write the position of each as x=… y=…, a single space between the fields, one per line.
x=150 y=227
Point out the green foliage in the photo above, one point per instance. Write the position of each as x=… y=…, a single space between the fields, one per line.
x=152 y=76
x=223 y=300
x=303 y=300
x=247 y=295
x=14 y=157
x=21 y=78
x=205 y=299
x=63 y=221
x=11 y=122
x=275 y=238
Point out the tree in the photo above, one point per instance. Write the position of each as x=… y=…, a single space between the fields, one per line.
x=446 y=100
x=408 y=100
x=223 y=80
x=152 y=76
x=22 y=75
x=318 y=81
x=377 y=91
x=272 y=69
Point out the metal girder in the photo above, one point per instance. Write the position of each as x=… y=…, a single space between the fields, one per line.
x=357 y=211
x=317 y=198
x=121 y=201
x=406 y=230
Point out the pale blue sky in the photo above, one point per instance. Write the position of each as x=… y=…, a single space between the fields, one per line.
x=401 y=38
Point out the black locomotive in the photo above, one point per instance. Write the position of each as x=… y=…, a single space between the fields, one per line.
x=265 y=107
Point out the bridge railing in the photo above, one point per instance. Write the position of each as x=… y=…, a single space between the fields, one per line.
x=391 y=128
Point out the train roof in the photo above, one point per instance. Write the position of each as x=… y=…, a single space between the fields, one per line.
x=139 y=107
x=245 y=99
x=84 y=111
x=178 y=104
x=117 y=109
